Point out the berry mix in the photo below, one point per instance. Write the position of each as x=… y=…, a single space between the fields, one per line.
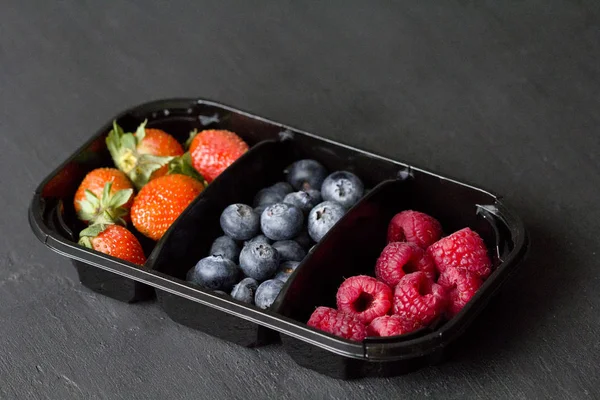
x=420 y=278
x=264 y=243
x=155 y=179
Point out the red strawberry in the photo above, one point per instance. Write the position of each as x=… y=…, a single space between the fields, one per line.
x=160 y=202
x=142 y=155
x=64 y=181
x=183 y=165
x=104 y=196
x=113 y=240
x=214 y=150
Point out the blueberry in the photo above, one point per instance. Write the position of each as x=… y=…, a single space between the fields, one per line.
x=282 y=187
x=244 y=290
x=281 y=221
x=289 y=250
x=240 y=222
x=315 y=195
x=259 y=209
x=285 y=270
x=342 y=187
x=226 y=247
x=303 y=239
x=323 y=217
x=306 y=174
x=215 y=273
x=304 y=200
x=267 y=293
x=258 y=240
x=259 y=261
x=267 y=197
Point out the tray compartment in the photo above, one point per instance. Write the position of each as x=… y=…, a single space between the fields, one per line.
x=176 y=117
x=189 y=239
x=352 y=248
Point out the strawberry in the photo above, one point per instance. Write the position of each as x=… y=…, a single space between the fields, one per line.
x=142 y=155
x=64 y=181
x=183 y=165
x=214 y=150
x=104 y=195
x=67 y=178
x=113 y=240
x=160 y=202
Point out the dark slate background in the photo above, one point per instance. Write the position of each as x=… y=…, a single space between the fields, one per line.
x=505 y=95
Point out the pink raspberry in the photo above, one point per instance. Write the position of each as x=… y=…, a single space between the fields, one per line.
x=463 y=249
x=414 y=227
x=391 y=325
x=416 y=297
x=398 y=259
x=461 y=285
x=337 y=323
x=364 y=297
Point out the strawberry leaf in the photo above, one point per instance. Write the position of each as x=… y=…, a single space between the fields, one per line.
x=86 y=242
x=188 y=142
x=113 y=140
x=93 y=230
x=183 y=165
x=109 y=218
x=91 y=198
x=108 y=210
x=117 y=128
x=87 y=210
x=105 y=194
x=120 y=198
x=119 y=212
x=128 y=141
x=140 y=133
x=146 y=165
x=122 y=147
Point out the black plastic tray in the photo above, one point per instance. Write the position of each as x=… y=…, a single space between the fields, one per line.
x=350 y=248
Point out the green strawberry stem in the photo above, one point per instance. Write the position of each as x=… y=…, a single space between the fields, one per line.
x=183 y=165
x=86 y=235
x=123 y=150
x=188 y=142
x=108 y=209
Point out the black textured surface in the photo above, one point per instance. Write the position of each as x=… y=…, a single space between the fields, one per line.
x=506 y=97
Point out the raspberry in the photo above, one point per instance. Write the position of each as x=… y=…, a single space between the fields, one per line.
x=463 y=249
x=391 y=325
x=337 y=323
x=417 y=297
x=364 y=297
x=461 y=285
x=414 y=227
x=398 y=259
